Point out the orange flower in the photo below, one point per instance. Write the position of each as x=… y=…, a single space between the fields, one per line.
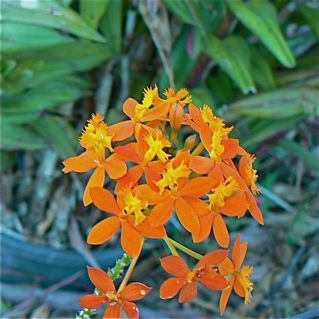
x=174 y=190
x=226 y=199
x=129 y=215
x=185 y=280
x=247 y=172
x=116 y=300
x=237 y=274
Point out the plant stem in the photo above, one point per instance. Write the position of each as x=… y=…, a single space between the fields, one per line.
x=129 y=271
x=185 y=249
x=199 y=148
x=170 y=246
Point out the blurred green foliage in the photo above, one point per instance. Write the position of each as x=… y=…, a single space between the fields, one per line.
x=253 y=61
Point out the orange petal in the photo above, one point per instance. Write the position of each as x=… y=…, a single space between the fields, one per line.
x=225 y=297
x=197 y=187
x=201 y=164
x=129 y=107
x=135 y=291
x=212 y=258
x=212 y=280
x=175 y=266
x=220 y=231
x=103 y=231
x=188 y=292
x=131 y=240
x=112 y=311
x=238 y=288
x=231 y=148
x=145 y=192
x=130 y=309
x=156 y=113
x=92 y=301
x=122 y=130
x=142 y=146
x=161 y=213
x=196 y=117
x=128 y=152
x=104 y=200
x=96 y=180
x=78 y=164
x=254 y=209
x=171 y=287
x=226 y=267
x=205 y=228
x=101 y=280
x=236 y=205
x=239 y=252
x=206 y=136
x=115 y=167
x=187 y=215
x=151 y=232
x=176 y=113
x=198 y=205
x=130 y=178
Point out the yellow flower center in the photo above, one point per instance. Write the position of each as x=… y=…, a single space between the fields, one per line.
x=223 y=191
x=171 y=176
x=190 y=276
x=181 y=96
x=96 y=135
x=250 y=175
x=243 y=277
x=156 y=143
x=149 y=96
x=133 y=205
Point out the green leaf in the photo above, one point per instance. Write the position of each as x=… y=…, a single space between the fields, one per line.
x=261 y=18
x=49 y=14
x=19 y=37
x=15 y=137
x=278 y=104
x=233 y=56
x=111 y=26
x=56 y=131
x=92 y=11
x=180 y=9
x=298 y=150
x=311 y=15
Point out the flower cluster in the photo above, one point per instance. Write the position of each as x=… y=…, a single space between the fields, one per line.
x=157 y=175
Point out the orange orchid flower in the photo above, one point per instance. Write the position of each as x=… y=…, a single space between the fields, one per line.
x=174 y=191
x=238 y=275
x=185 y=280
x=150 y=144
x=128 y=211
x=226 y=199
x=116 y=300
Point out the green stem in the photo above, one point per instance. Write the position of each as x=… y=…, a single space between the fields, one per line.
x=199 y=148
x=185 y=249
x=170 y=246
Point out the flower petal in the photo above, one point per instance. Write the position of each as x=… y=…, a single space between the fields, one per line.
x=149 y=194
x=231 y=148
x=212 y=258
x=131 y=309
x=135 y=291
x=175 y=266
x=121 y=130
x=254 y=208
x=238 y=288
x=129 y=107
x=101 y=279
x=188 y=292
x=239 y=252
x=115 y=167
x=205 y=228
x=151 y=232
x=197 y=187
x=213 y=280
x=187 y=215
x=220 y=231
x=171 y=287
x=225 y=297
x=103 y=231
x=226 y=267
x=128 y=152
x=92 y=301
x=131 y=240
x=104 y=200
x=96 y=180
x=161 y=213
x=78 y=164
x=112 y=311
x=130 y=178
x=235 y=205
x=201 y=164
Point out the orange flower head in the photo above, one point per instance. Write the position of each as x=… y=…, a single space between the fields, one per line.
x=156 y=142
x=249 y=174
x=182 y=96
x=223 y=191
x=208 y=117
x=96 y=135
x=148 y=100
x=116 y=300
x=171 y=176
x=133 y=205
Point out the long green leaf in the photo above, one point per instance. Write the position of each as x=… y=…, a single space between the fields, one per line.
x=233 y=56
x=92 y=11
x=49 y=14
x=260 y=17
